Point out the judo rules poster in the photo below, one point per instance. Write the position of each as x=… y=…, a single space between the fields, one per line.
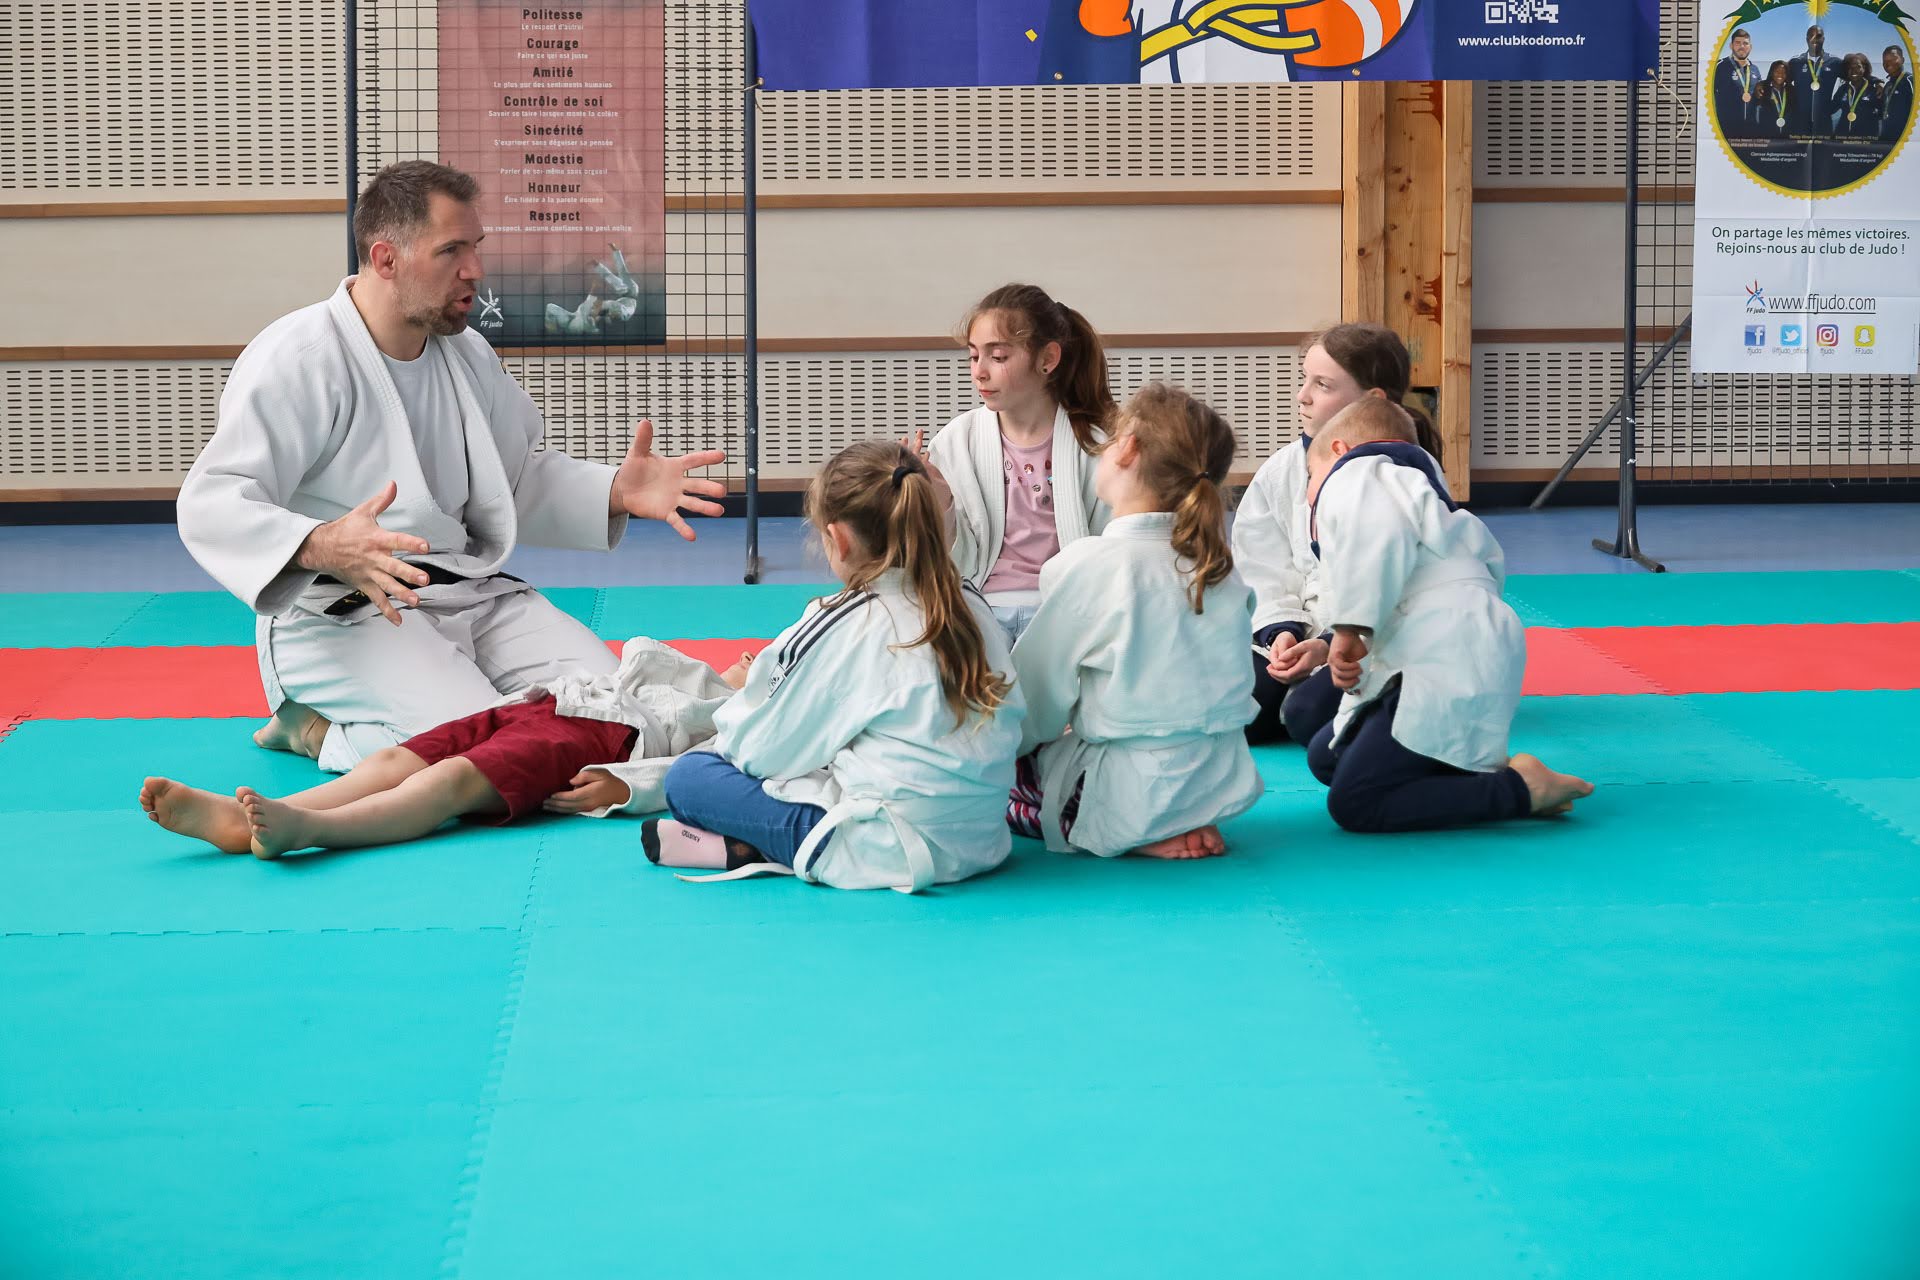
x=559 y=112
x=1806 y=254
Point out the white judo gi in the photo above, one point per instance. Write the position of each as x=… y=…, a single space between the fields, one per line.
x=967 y=452
x=838 y=713
x=1427 y=581
x=1273 y=545
x=1157 y=695
x=669 y=697
x=311 y=425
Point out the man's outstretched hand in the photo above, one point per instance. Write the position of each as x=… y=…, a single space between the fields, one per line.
x=660 y=489
x=355 y=550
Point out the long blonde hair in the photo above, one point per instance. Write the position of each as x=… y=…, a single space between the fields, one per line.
x=884 y=496
x=1185 y=449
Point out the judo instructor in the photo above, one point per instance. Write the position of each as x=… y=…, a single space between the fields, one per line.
x=373 y=467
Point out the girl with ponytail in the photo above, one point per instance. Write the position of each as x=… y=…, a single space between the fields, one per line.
x=1273 y=545
x=1020 y=466
x=1137 y=645
x=873 y=743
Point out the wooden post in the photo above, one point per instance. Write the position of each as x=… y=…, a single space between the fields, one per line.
x=1456 y=286
x=1363 y=210
x=1415 y=237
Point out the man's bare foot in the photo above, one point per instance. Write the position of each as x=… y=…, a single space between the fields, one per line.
x=200 y=815
x=296 y=728
x=1551 y=793
x=1206 y=842
x=273 y=826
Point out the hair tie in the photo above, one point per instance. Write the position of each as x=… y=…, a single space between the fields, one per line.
x=900 y=473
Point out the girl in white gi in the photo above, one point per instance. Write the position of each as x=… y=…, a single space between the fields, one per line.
x=579 y=744
x=1020 y=466
x=1270 y=540
x=1137 y=645
x=1428 y=653
x=873 y=744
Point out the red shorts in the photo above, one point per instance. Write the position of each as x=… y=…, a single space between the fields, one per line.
x=527 y=750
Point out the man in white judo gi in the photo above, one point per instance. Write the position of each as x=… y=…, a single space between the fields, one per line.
x=373 y=459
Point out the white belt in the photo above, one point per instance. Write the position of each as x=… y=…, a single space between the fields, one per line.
x=860 y=808
x=912 y=843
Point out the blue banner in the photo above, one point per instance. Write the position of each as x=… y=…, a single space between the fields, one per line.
x=869 y=44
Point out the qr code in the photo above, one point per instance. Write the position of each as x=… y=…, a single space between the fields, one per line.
x=1522 y=11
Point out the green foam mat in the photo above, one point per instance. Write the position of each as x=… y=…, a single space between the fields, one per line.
x=68 y=619
x=1031 y=983
x=1872 y=733
x=37 y=762
x=1627 y=846
x=1018 y=1173
x=288 y=1191
x=706 y=613
x=98 y=873
x=1714 y=599
x=252 y=1019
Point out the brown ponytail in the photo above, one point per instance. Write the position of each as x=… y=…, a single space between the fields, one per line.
x=1185 y=449
x=884 y=496
x=1079 y=382
x=1374 y=357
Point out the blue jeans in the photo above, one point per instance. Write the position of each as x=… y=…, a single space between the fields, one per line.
x=1375 y=784
x=705 y=791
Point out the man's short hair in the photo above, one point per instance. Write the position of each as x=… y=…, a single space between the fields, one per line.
x=397 y=203
x=1740 y=33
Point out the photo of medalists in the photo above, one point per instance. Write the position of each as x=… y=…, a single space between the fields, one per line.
x=1811 y=95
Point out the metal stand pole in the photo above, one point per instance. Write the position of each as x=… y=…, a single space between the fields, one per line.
x=750 y=240
x=353 y=129
x=1619 y=406
x=1626 y=539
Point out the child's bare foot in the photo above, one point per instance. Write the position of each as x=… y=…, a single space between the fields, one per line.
x=1552 y=793
x=736 y=675
x=273 y=826
x=201 y=815
x=1206 y=842
x=296 y=728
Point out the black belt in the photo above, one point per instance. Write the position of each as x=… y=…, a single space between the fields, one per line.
x=436 y=577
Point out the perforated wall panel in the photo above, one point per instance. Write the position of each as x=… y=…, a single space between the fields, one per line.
x=1534 y=404
x=140 y=421
x=99 y=95
x=814 y=405
x=1146 y=136
x=1572 y=133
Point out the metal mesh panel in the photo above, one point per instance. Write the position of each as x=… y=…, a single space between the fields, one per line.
x=694 y=389
x=1535 y=402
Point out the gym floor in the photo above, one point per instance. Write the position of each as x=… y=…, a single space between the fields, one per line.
x=1673 y=1035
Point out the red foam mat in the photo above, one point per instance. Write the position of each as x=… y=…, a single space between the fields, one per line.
x=1767 y=659
x=182 y=681
x=128 y=683
x=1560 y=664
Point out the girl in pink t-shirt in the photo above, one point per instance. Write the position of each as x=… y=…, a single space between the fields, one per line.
x=1020 y=467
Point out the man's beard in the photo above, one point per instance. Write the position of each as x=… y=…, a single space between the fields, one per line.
x=439 y=319
x=442 y=322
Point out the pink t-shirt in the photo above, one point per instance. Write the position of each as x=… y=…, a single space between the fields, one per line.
x=1031 y=539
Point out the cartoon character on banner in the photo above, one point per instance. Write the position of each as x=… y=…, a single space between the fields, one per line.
x=1221 y=41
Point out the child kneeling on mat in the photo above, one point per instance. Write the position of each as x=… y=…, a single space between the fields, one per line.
x=1430 y=656
x=1139 y=643
x=584 y=744
x=873 y=744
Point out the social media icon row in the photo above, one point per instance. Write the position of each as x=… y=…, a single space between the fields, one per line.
x=1793 y=335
